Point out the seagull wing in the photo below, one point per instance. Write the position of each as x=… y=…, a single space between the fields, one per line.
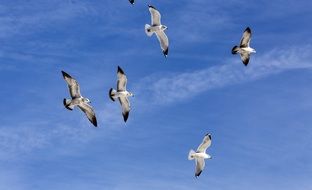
x=205 y=144
x=125 y=104
x=200 y=164
x=131 y=1
x=73 y=85
x=88 y=110
x=155 y=16
x=245 y=56
x=164 y=42
x=246 y=38
x=122 y=80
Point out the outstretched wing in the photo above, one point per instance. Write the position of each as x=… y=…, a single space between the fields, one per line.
x=200 y=164
x=73 y=85
x=205 y=144
x=164 y=42
x=155 y=16
x=245 y=56
x=125 y=105
x=246 y=38
x=122 y=80
x=88 y=110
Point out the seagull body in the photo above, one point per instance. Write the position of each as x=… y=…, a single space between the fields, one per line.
x=200 y=155
x=244 y=48
x=121 y=93
x=157 y=28
x=77 y=99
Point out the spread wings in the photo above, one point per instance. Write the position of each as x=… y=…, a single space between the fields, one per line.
x=246 y=38
x=205 y=144
x=73 y=85
x=155 y=16
x=88 y=110
x=164 y=42
x=125 y=104
x=200 y=164
x=245 y=56
x=122 y=80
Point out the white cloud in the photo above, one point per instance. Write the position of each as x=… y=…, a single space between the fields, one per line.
x=176 y=87
x=27 y=17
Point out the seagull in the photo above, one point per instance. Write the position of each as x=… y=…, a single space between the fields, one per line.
x=131 y=1
x=158 y=29
x=77 y=99
x=244 y=49
x=121 y=93
x=200 y=155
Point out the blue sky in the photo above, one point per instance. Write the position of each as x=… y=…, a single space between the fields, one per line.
x=259 y=116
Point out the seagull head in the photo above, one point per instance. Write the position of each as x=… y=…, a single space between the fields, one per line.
x=163 y=27
x=130 y=94
x=86 y=100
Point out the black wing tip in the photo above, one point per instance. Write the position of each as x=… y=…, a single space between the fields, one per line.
x=119 y=70
x=165 y=52
x=110 y=94
x=209 y=135
x=94 y=121
x=248 y=29
x=150 y=6
x=66 y=74
x=245 y=62
x=125 y=116
x=198 y=174
x=132 y=2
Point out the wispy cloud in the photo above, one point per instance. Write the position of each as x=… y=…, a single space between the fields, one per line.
x=25 y=18
x=180 y=86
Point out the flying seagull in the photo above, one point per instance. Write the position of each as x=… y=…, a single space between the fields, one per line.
x=200 y=155
x=244 y=49
x=157 y=28
x=121 y=93
x=131 y=1
x=77 y=99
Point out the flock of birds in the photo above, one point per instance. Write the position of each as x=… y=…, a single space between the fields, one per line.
x=122 y=94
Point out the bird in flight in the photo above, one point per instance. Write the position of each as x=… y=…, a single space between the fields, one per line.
x=121 y=93
x=200 y=155
x=244 y=48
x=157 y=28
x=77 y=99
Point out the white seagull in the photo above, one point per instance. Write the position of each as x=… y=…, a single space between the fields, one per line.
x=244 y=49
x=121 y=93
x=200 y=155
x=77 y=99
x=158 y=29
x=131 y=1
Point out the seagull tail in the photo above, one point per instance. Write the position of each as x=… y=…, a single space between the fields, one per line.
x=235 y=50
x=111 y=94
x=148 y=30
x=67 y=105
x=191 y=155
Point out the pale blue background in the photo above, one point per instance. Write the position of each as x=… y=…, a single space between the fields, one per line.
x=260 y=116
